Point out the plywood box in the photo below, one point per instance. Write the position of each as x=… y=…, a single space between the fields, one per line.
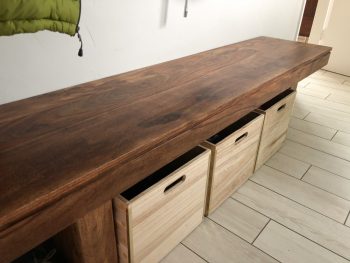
x=155 y=215
x=234 y=152
x=277 y=115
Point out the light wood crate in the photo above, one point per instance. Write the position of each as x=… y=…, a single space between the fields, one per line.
x=154 y=216
x=277 y=116
x=233 y=158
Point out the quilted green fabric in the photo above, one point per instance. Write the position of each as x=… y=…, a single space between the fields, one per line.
x=30 y=16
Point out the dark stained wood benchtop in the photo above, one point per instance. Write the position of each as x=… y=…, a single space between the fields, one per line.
x=67 y=152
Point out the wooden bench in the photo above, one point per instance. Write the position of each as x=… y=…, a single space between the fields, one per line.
x=64 y=155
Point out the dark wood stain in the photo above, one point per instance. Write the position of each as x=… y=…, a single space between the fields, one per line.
x=170 y=117
x=308 y=17
x=65 y=153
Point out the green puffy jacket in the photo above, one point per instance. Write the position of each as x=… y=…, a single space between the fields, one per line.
x=30 y=16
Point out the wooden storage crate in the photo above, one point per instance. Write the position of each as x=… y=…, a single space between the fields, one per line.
x=277 y=113
x=156 y=214
x=233 y=157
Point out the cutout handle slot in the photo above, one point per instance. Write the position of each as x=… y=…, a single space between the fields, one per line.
x=174 y=184
x=241 y=138
x=281 y=107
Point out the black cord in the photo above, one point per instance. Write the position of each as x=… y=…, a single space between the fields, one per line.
x=80 y=53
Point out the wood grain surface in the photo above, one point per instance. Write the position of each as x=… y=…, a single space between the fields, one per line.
x=158 y=220
x=275 y=128
x=91 y=239
x=232 y=163
x=65 y=153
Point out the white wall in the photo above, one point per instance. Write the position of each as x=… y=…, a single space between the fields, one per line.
x=319 y=21
x=123 y=35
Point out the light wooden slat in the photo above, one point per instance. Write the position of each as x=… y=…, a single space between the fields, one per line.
x=328 y=181
x=320 y=144
x=333 y=122
x=289 y=247
x=304 y=82
x=216 y=244
x=288 y=165
x=345 y=98
x=339 y=94
x=183 y=254
x=341 y=78
x=321 y=106
x=332 y=87
x=342 y=138
x=312 y=128
x=312 y=225
x=321 y=201
x=314 y=83
x=299 y=112
x=325 y=161
x=322 y=94
x=239 y=219
x=317 y=73
x=325 y=79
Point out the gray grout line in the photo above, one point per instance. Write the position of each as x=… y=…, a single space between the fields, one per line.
x=334 y=136
x=312 y=95
x=346 y=219
x=310 y=240
x=243 y=238
x=194 y=252
x=310 y=183
x=290 y=158
x=233 y=198
x=333 y=89
x=306 y=116
x=301 y=178
x=314 y=123
x=342 y=177
x=294 y=230
x=307 y=84
x=299 y=118
x=327 y=96
x=315 y=135
x=280 y=170
x=341 y=103
x=296 y=202
x=317 y=167
x=321 y=150
x=290 y=127
x=329 y=108
x=261 y=231
x=334 y=73
x=322 y=124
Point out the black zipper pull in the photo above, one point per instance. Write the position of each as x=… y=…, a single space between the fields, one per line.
x=80 y=53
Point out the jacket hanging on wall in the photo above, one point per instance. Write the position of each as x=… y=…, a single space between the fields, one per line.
x=30 y=16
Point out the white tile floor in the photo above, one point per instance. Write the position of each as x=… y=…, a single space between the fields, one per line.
x=296 y=207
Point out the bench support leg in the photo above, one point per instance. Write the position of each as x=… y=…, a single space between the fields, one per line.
x=91 y=239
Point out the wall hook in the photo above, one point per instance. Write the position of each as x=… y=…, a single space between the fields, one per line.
x=186 y=8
